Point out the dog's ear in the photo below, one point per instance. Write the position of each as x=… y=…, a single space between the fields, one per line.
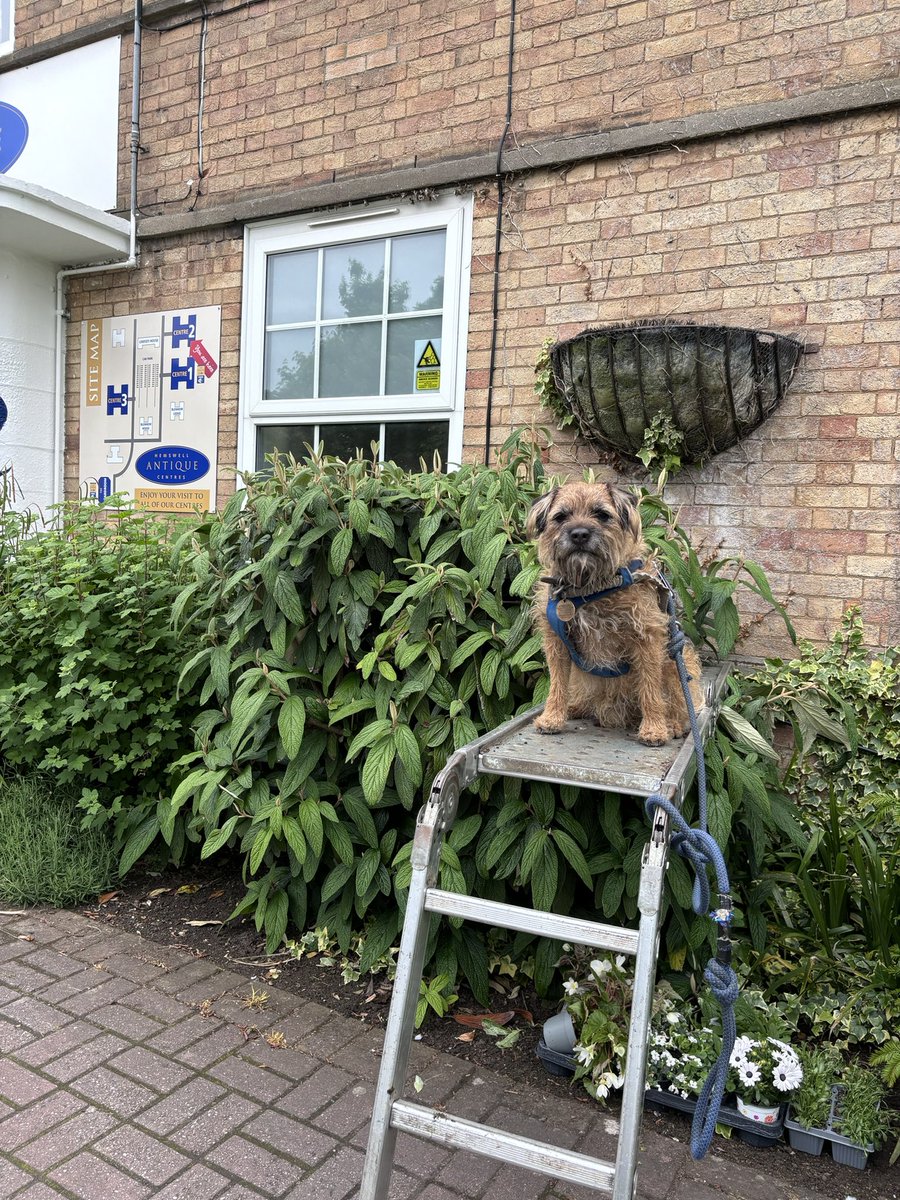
x=626 y=506
x=540 y=510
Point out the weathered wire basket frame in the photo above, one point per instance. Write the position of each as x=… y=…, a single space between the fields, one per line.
x=716 y=383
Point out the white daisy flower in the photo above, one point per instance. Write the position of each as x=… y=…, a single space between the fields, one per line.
x=749 y=1073
x=787 y=1076
x=570 y=987
x=742 y=1048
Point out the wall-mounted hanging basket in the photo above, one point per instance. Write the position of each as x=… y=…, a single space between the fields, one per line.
x=714 y=383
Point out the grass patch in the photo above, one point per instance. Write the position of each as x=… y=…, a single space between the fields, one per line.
x=45 y=856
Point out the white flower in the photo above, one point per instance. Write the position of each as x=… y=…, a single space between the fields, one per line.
x=742 y=1048
x=673 y=1018
x=749 y=1073
x=585 y=1055
x=787 y=1076
x=570 y=987
x=601 y=967
x=620 y=961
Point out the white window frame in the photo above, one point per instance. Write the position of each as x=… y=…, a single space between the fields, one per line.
x=8 y=11
x=314 y=230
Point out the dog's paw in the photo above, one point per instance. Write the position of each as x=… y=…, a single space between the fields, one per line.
x=544 y=724
x=653 y=735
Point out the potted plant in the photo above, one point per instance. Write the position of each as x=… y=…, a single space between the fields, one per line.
x=764 y=1072
x=841 y=1105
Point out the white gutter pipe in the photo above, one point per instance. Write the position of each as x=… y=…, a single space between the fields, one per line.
x=59 y=393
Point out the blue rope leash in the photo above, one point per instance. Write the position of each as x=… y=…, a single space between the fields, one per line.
x=701 y=850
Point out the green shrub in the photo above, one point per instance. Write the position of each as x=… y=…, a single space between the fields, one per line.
x=88 y=660
x=359 y=624
x=45 y=856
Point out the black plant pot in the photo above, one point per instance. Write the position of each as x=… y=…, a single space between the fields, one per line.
x=715 y=383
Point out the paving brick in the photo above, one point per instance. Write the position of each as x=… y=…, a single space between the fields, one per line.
x=252 y=1081
x=47 y=1049
x=85 y=1057
x=32 y=1121
x=182 y=977
x=217 y=1043
x=182 y=1033
x=197 y=1183
x=425 y=1159
x=83 y=1003
x=23 y=979
x=35 y=1015
x=57 y=964
x=89 y=1177
x=239 y=1192
x=150 y=1068
x=315 y=1092
x=287 y=1136
x=344 y=1116
x=12 y=1178
x=64 y=1140
x=217 y=1123
x=20 y=1086
x=293 y=1064
x=335 y=1179
x=157 y=1004
x=13 y=1037
x=133 y=1025
x=195 y=1097
x=113 y=1091
x=40 y=1191
x=254 y=1165
x=142 y=1154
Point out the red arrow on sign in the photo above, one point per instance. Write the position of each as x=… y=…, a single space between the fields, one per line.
x=200 y=354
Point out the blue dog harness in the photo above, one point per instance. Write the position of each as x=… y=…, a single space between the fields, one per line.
x=558 y=625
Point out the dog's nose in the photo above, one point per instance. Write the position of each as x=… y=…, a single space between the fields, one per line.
x=579 y=535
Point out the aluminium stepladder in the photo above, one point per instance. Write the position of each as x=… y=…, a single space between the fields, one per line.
x=603 y=760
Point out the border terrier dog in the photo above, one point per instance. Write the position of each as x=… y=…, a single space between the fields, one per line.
x=586 y=533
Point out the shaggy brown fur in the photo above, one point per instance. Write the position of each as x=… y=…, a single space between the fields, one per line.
x=584 y=532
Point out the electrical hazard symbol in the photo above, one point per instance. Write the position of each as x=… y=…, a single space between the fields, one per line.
x=428 y=365
x=428 y=357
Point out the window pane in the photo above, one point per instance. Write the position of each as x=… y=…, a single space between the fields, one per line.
x=289 y=364
x=353 y=284
x=408 y=441
x=350 y=360
x=287 y=439
x=291 y=283
x=401 y=351
x=417 y=271
x=344 y=440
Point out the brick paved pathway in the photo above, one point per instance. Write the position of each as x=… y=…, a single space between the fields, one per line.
x=126 y=1072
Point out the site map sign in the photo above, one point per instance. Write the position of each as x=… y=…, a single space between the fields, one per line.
x=149 y=408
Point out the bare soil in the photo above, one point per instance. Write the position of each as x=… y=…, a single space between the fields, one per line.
x=165 y=908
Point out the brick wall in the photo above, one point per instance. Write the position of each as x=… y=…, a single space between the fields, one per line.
x=792 y=228
x=300 y=92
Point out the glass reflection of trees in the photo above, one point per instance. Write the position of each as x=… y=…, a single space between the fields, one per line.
x=361 y=294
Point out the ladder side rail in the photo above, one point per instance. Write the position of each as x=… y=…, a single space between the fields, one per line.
x=433 y=819
x=650 y=897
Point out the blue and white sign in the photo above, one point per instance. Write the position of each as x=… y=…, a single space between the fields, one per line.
x=13 y=135
x=4 y=412
x=172 y=464
x=59 y=123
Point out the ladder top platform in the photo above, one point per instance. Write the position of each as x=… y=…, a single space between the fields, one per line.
x=605 y=759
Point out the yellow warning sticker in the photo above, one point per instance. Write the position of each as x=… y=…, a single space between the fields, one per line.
x=428 y=357
x=428 y=381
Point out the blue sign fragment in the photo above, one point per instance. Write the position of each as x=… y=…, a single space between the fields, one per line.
x=172 y=465
x=13 y=135
x=4 y=412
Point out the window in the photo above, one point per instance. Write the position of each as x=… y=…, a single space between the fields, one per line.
x=7 y=26
x=354 y=333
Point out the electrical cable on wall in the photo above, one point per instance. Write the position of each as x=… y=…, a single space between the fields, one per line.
x=201 y=88
x=498 y=233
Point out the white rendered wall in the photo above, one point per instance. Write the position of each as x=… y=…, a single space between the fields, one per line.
x=27 y=364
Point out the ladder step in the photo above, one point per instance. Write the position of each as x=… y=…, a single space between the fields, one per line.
x=530 y=920
x=458 y=1133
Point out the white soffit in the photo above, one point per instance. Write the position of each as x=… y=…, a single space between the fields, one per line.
x=41 y=224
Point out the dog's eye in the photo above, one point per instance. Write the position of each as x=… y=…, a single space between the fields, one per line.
x=602 y=515
x=561 y=516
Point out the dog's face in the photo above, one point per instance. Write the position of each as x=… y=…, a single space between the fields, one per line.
x=584 y=531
